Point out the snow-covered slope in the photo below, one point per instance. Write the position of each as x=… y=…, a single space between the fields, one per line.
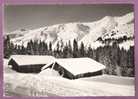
x=34 y=85
x=126 y=19
x=88 y=33
x=17 y=33
x=48 y=83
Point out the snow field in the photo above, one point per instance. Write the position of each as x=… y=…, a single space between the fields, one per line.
x=21 y=84
x=41 y=85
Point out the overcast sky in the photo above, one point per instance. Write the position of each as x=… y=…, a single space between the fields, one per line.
x=35 y=16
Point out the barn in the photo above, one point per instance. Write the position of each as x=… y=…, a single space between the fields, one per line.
x=73 y=68
x=29 y=63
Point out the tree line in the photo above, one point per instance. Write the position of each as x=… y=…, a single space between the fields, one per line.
x=117 y=61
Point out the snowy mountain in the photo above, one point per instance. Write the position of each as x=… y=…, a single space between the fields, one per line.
x=17 y=33
x=90 y=33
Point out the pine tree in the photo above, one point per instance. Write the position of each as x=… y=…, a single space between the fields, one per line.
x=82 y=50
x=90 y=52
x=130 y=62
x=7 y=47
x=36 y=47
x=57 y=47
x=44 y=48
x=69 y=50
x=50 y=48
x=75 y=49
x=65 y=51
x=23 y=50
x=30 y=48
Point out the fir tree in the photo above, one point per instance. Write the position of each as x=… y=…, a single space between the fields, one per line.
x=50 y=48
x=82 y=50
x=75 y=49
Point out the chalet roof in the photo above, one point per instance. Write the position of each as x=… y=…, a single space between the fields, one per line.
x=79 y=65
x=31 y=59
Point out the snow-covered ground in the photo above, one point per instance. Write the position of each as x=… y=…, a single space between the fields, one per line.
x=21 y=84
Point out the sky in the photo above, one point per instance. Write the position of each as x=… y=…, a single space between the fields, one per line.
x=36 y=16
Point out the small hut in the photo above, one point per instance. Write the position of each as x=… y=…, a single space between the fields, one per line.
x=29 y=63
x=73 y=68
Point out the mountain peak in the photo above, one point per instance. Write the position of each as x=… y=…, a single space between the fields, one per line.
x=125 y=19
x=106 y=18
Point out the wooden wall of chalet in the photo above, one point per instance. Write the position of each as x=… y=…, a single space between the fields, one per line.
x=25 y=68
x=30 y=68
x=62 y=71
x=89 y=74
x=65 y=73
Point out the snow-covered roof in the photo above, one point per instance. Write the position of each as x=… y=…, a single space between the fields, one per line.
x=31 y=59
x=79 y=65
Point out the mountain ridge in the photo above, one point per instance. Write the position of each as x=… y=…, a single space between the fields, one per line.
x=86 y=32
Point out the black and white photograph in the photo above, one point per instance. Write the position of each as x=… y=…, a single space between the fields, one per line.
x=69 y=50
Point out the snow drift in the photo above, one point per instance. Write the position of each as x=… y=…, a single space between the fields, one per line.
x=49 y=72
